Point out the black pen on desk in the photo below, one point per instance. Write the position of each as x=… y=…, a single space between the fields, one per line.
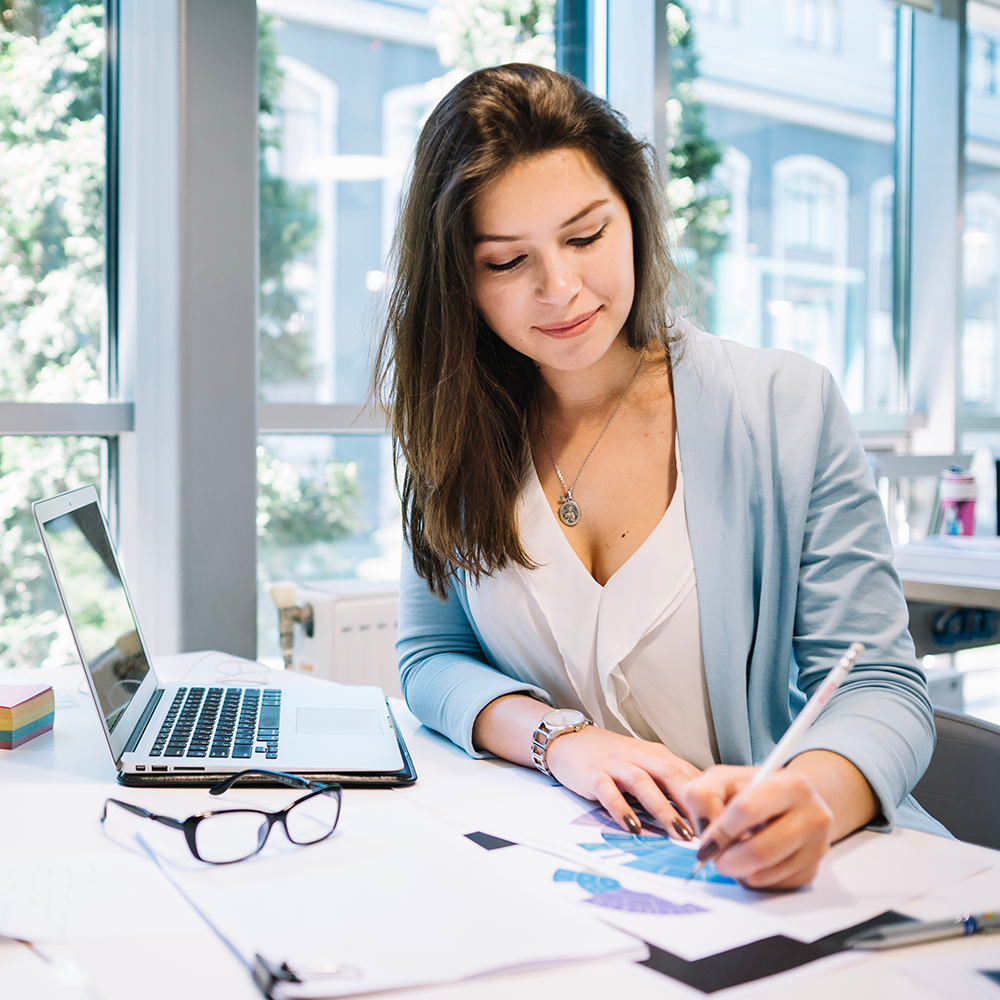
x=788 y=743
x=917 y=932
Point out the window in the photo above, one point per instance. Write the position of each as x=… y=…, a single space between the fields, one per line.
x=815 y=23
x=880 y=350
x=982 y=64
x=58 y=428
x=722 y=10
x=345 y=88
x=804 y=175
x=980 y=345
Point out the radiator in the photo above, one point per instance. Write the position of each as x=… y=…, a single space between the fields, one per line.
x=354 y=633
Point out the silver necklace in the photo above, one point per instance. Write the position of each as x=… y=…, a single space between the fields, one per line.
x=569 y=509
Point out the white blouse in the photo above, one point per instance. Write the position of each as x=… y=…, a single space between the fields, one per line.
x=627 y=654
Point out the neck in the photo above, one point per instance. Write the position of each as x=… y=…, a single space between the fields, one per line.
x=591 y=392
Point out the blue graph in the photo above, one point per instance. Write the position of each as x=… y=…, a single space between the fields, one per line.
x=659 y=855
x=608 y=893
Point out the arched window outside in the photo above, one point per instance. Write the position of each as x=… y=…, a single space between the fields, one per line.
x=881 y=382
x=736 y=308
x=981 y=275
x=307 y=112
x=810 y=202
x=808 y=290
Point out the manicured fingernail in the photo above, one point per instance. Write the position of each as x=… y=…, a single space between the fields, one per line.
x=683 y=830
x=708 y=851
x=702 y=822
x=632 y=823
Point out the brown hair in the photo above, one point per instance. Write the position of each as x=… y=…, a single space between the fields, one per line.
x=458 y=398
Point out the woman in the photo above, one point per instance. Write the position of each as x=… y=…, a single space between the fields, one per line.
x=666 y=535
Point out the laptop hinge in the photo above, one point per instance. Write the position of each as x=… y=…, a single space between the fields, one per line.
x=140 y=726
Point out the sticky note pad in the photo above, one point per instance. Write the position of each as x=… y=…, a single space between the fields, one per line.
x=26 y=711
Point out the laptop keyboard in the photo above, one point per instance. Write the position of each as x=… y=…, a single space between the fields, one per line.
x=220 y=722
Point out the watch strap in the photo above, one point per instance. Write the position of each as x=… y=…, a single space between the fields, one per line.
x=543 y=736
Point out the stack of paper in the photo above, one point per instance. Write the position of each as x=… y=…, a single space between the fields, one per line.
x=26 y=711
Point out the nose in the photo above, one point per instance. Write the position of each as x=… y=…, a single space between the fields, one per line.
x=558 y=280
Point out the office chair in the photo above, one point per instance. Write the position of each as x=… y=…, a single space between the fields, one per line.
x=961 y=787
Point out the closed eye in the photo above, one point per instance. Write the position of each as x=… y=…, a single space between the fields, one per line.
x=507 y=265
x=586 y=241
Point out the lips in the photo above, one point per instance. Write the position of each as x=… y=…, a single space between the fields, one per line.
x=571 y=327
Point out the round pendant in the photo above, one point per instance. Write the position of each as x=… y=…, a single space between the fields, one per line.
x=569 y=512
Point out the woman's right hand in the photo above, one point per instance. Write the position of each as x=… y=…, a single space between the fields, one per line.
x=602 y=766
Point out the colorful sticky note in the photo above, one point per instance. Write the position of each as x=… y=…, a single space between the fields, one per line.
x=26 y=711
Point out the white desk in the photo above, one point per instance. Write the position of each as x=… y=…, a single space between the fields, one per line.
x=70 y=761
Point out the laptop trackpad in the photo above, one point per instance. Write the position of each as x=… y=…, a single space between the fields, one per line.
x=337 y=722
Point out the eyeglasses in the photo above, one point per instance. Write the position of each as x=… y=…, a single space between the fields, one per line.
x=225 y=836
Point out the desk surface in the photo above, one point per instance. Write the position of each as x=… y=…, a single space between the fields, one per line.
x=198 y=967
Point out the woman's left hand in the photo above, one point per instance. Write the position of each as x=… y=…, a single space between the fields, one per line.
x=770 y=836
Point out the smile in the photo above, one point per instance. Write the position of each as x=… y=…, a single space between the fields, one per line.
x=570 y=328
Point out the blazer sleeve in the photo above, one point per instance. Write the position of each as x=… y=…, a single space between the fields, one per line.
x=881 y=718
x=446 y=676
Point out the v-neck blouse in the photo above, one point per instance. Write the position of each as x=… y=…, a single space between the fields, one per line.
x=627 y=654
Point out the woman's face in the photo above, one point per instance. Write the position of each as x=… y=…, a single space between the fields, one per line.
x=553 y=258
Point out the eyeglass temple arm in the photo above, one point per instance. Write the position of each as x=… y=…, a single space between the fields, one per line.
x=291 y=780
x=145 y=813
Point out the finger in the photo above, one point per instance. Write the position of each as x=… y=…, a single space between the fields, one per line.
x=671 y=782
x=797 y=869
x=763 y=848
x=770 y=823
x=650 y=795
x=705 y=798
x=609 y=795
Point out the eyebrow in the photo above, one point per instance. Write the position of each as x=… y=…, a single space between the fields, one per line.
x=569 y=222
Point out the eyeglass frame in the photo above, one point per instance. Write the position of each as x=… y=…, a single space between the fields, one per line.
x=190 y=825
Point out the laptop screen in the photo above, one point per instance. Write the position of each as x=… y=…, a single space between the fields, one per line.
x=95 y=601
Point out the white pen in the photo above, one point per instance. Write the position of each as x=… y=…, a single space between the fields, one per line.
x=786 y=746
x=916 y=932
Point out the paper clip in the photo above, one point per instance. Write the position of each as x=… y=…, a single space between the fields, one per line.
x=267 y=975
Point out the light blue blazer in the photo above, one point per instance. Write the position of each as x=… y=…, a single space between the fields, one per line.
x=793 y=562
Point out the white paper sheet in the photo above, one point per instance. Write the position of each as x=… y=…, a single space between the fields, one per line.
x=970 y=976
x=860 y=877
x=25 y=974
x=84 y=896
x=398 y=897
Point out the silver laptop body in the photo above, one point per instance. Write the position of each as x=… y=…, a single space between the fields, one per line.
x=195 y=733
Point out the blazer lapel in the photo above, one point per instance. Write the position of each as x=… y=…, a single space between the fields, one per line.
x=721 y=490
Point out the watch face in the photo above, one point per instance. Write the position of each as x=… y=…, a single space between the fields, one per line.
x=564 y=717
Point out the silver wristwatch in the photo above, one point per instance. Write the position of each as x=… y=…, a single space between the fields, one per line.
x=553 y=724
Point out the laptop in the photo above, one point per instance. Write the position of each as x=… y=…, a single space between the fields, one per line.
x=196 y=734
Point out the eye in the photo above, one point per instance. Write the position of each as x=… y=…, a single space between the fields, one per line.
x=586 y=241
x=508 y=265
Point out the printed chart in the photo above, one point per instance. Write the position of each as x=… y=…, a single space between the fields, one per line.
x=653 y=852
x=608 y=893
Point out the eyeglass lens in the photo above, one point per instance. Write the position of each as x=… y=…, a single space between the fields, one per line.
x=230 y=836
x=314 y=818
x=234 y=835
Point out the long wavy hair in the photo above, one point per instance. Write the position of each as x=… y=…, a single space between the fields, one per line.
x=457 y=397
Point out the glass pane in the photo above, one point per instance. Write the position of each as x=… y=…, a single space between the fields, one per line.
x=326 y=510
x=980 y=356
x=52 y=152
x=781 y=123
x=344 y=88
x=33 y=630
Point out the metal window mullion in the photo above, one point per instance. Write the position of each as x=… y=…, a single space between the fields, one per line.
x=319 y=418
x=111 y=102
x=935 y=284
x=903 y=202
x=65 y=419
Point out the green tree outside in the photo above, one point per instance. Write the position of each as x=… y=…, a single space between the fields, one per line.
x=699 y=204
x=53 y=305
